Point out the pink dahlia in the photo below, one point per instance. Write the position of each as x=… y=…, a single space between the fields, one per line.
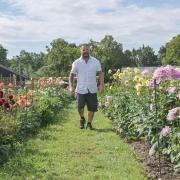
x=171 y=90
x=145 y=73
x=165 y=131
x=173 y=73
x=161 y=73
x=167 y=72
x=173 y=114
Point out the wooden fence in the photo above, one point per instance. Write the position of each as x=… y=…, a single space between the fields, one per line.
x=7 y=80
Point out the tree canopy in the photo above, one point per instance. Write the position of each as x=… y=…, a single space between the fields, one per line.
x=3 y=55
x=170 y=54
x=60 y=54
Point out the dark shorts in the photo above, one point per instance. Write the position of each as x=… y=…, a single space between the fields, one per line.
x=89 y=99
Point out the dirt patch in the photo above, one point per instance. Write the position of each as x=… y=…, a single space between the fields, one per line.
x=151 y=163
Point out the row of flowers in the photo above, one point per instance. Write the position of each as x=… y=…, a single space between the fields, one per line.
x=146 y=105
x=44 y=82
x=9 y=102
x=23 y=112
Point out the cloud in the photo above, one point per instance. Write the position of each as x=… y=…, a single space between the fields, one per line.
x=79 y=21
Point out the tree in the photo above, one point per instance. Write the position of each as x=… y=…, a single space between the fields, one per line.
x=27 y=62
x=109 y=52
x=129 y=60
x=3 y=55
x=161 y=53
x=171 y=53
x=112 y=53
x=60 y=54
x=145 y=56
x=36 y=60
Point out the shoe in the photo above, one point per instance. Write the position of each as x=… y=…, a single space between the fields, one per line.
x=89 y=125
x=82 y=122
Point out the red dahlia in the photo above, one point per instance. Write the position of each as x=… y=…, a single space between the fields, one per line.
x=6 y=105
x=1 y=94
x=1 y=101
x=10 y=97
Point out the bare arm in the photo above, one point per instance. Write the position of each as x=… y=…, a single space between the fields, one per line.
x=71 y=80
x=101 y=80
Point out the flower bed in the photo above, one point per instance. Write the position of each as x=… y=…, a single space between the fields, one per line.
x=23 y=112
x=146 y=106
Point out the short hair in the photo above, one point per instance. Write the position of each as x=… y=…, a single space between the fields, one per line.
x=84 y=44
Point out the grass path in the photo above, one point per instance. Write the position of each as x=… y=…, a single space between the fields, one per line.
x=63 y=151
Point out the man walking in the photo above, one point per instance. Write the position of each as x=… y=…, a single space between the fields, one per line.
x=86 y=68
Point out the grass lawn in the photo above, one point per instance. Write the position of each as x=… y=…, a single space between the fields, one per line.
x=63 y=151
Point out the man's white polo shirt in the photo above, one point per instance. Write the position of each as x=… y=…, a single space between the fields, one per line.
x=86 y=74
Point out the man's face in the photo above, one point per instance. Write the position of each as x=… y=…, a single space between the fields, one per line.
x=85 y=51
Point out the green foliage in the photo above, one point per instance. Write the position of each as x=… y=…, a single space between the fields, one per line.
x=59 y=58
x=153 y=149
x=3 y=55
x=60 y=54
x=27 y=62
x=145 y=56
x=17 y=126
x=110 y=53
x=170 y=54
x=134 y=115
x=47 y=71
x=63 y=151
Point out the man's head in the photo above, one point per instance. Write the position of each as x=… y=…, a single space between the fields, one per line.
x=85 y=50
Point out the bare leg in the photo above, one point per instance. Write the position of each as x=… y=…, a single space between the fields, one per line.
x=90 y=116
x=81 y=112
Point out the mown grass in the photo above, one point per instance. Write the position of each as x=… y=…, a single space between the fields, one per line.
x=63 y=151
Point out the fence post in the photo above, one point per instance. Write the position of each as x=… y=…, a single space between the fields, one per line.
x=32 y=83
x=14 y=80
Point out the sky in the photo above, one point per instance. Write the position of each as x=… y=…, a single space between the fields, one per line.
x=31 y=24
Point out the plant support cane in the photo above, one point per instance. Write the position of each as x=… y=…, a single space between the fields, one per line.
x=156 y=118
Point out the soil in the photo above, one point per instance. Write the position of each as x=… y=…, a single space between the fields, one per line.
x=151 y=163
